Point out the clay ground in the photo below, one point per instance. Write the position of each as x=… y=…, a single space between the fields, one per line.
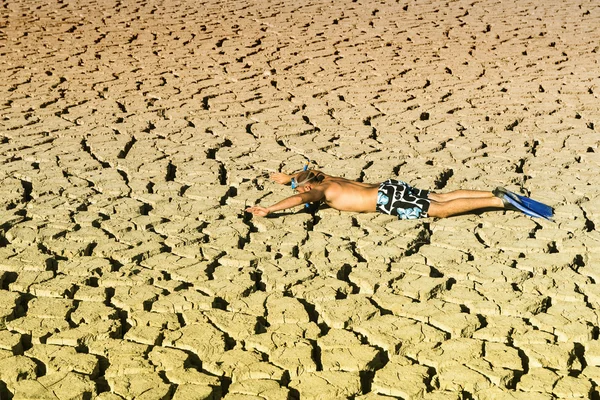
x=133 y=134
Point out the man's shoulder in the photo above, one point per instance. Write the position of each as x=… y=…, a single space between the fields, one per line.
x=332 y=187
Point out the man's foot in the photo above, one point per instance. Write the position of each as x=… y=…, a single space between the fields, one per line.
x=502 y=194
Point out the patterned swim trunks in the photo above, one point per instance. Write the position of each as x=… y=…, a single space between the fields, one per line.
x=400 y=199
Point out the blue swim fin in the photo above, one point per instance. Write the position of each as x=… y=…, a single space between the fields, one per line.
x=524 y=204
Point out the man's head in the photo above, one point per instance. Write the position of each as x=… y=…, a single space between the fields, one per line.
x=306 y=180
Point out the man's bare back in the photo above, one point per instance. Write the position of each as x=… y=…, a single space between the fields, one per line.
x=346 y=195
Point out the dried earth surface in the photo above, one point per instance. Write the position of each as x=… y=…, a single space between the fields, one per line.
x=134 y=133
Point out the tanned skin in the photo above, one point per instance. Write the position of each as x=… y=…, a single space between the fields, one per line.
x=347 y=195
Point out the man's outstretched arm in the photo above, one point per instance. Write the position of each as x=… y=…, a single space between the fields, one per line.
x=292 y=201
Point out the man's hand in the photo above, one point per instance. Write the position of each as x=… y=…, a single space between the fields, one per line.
x=258 y=210
x=280 y=177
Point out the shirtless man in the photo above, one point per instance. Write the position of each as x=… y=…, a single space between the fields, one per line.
x=390 y=197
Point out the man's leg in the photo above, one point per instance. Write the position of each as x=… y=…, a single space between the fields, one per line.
x=443 y=209
x=460 y=194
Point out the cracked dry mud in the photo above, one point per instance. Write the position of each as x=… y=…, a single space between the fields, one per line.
x=134 y=133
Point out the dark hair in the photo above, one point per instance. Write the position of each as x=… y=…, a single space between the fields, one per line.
x=306 y=176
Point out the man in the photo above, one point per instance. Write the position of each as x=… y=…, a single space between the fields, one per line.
x=390 y=197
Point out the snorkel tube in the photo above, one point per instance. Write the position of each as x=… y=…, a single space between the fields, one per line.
x=306 y=205
x=295 y=184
